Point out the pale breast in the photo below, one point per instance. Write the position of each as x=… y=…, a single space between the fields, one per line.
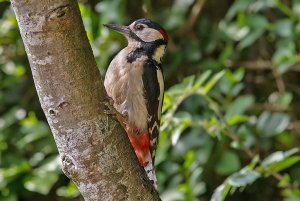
x=123 y=83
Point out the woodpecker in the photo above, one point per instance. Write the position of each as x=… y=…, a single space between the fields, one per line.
x=134 y=81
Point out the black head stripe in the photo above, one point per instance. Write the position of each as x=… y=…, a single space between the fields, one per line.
x=147 y=49
x=135 y=37
x=159 y=42
x=149 y=23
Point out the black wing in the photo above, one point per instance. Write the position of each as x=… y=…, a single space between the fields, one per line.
x=152 y=94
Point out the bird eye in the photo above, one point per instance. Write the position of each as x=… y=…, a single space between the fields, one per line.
x=139 y=27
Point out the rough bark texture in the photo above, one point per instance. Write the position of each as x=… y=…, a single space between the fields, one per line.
x=95 y=151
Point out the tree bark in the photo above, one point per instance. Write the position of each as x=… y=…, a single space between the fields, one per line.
x=95 y=151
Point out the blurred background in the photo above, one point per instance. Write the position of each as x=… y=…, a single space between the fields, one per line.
x=230 y=125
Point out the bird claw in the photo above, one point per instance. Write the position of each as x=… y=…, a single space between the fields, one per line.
x=110 y=100
x=111 y=110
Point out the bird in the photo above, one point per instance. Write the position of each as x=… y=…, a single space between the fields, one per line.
x=135 y=83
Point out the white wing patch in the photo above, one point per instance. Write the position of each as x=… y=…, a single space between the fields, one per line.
x=161 y=90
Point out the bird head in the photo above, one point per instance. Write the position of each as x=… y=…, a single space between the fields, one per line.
x=144 y=33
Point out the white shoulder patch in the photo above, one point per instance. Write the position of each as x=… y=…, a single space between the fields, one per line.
x=161 y=90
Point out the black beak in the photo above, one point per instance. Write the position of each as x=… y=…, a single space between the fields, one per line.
x=121 y=29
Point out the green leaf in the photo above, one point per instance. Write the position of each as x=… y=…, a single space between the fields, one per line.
x=250 y=38
x=178 y=89
x=283 y=27
x=296 y=7
x=189 y=159
x=228 y=163
x=254 y=162
x=278 y=157
x=239 y=106
x=237 y=119
x=201 y=79
x=231 y=82
x=257 y=25
x=234 y=31
x=257 y=22
x=221 y=192
x=11 y=197
x=182 y=120
x=37 y=182
x=33 y=133
x=212 y=82
x=19 y=167
x=236 y=76
x=285 y=55
x=226 y=53
x=279 y=161
x=284 y=164
x=172 y=194
x=243 y=178
x=286 y=65
x=69 y=191
x=48 y=172
x=238 y=6
x=281 y=100
x=10 y=117
x=285 y=182
x=270 y=124
x=284 y=8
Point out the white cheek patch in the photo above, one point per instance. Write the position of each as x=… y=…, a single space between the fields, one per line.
x=149 y=35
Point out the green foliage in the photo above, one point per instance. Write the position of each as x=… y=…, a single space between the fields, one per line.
x=271 y=165
x=230 y=124
x=69 y=191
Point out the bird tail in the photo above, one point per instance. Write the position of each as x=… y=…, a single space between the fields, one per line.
x=141 y=146
x=149 y=168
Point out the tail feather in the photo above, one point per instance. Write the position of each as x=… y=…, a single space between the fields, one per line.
x=149 y=168
x=141 y=145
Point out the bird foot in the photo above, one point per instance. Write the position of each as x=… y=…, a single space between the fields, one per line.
x=111 y=110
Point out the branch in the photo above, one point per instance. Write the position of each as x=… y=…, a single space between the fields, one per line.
x=95 y=151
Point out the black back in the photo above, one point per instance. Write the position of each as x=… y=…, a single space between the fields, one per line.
x=151 y=93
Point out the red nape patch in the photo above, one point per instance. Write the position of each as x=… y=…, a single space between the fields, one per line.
x=141 y=145
x=164 y=34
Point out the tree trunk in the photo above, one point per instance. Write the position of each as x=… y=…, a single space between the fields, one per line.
x=94 y=149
